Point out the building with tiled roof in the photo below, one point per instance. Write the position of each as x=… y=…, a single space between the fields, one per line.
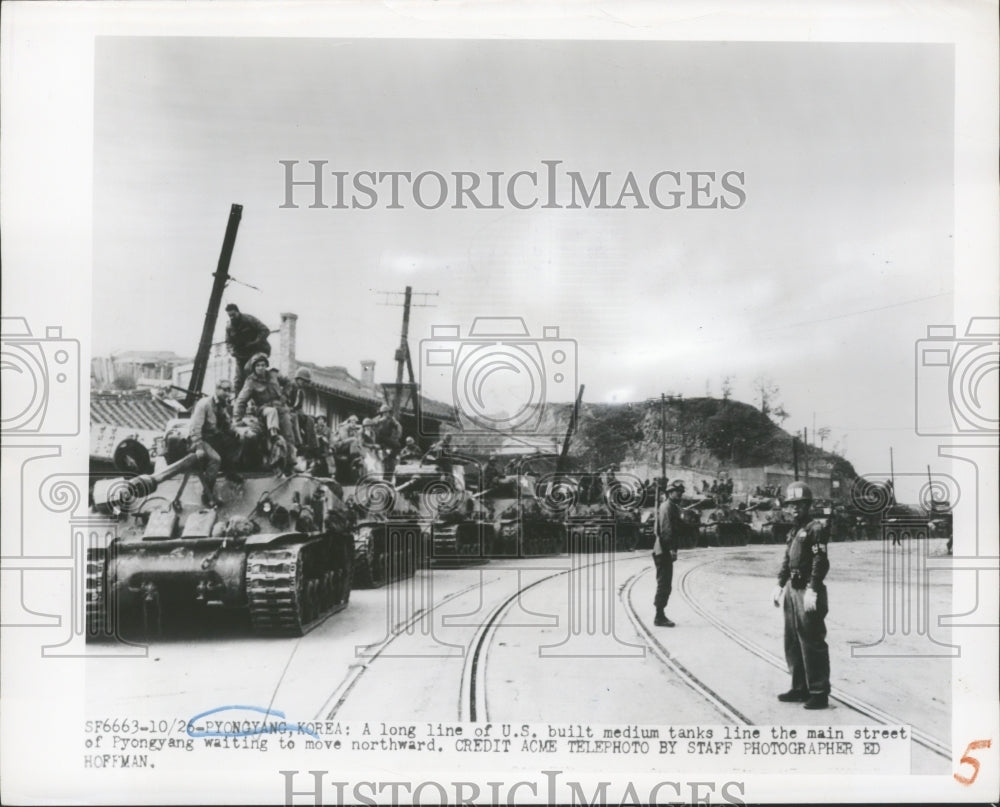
x=115 y=416
x=334 y=393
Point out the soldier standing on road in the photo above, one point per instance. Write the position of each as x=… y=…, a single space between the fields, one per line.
x=801 y=579
x=669 y=524
x=245 y=336
x=211 y=437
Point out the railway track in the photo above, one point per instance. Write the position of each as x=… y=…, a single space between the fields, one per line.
x=859 y=705
x=473 y=703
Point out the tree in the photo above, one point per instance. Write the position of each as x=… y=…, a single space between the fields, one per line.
x=727 y=387
x=823 y=432
x=606 y=432
x=767 y=398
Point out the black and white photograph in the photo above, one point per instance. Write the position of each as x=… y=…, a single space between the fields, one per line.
x=475 y=403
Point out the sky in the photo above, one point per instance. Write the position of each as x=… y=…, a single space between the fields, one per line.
x=823 y=279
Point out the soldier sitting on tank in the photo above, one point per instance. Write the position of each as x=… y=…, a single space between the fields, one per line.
x=322 y=432
x=302 y=424
x=264 y=390
x=211 y=437
x=347 y=449
x=245 y=337
x=388 y=434
x=367 y=435
x=492 y=475
x=411 y=451
x=440 y=453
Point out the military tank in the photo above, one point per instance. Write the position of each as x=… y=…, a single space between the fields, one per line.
x=524 y=526
x=389 y=533
x=769 y=523
x=277 y=547
x=724 y=526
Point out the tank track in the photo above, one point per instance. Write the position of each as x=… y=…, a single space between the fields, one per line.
x=542 y=538
x=294 y=587
x=96 y=604
x=374 y=568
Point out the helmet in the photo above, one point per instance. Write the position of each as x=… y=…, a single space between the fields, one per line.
x=798 y=492
x=366 y=422
x=255 y=359
x=304 y=374
x=410 y=441
x=352 y=419
x=384 y=409
x=677 y=484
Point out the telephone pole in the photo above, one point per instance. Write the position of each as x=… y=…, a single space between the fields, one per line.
x=663 y=437
x=805 y=451
x=402 y=355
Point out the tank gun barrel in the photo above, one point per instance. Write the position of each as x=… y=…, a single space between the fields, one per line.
x=111 y=494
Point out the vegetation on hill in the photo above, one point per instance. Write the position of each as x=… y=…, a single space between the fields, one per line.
x=706 y=433
x=697 y=432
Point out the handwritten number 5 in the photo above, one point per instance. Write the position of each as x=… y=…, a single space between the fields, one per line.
x=970 y=760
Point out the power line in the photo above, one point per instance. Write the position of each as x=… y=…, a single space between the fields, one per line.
x=858 y=313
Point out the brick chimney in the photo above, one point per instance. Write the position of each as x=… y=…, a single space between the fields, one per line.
x=285 y=359
x=368 y=373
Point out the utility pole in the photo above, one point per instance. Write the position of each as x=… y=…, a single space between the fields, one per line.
x=214 y=301
x=403 y=352
x=404 y=348
x=805 y=451
x=795 y=456
x=573 y=419
x=663 y=437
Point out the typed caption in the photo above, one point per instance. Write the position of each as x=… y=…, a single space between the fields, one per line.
x=124 y=742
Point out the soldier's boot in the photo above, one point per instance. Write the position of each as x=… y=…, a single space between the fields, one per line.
x=794 y=696
x=816 y=701
x=661 y=621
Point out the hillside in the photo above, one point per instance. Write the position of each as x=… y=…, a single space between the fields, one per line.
x=709 y=434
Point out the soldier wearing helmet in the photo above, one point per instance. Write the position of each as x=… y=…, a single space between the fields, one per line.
x=668 y=527
x=410 y=452
x=263 y=389
x=805 y=607
x=302 y=424
x=388 y=434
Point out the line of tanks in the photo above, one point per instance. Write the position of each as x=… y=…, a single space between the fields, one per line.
x=286 y=550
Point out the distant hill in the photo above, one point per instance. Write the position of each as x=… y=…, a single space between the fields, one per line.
x=703 y=433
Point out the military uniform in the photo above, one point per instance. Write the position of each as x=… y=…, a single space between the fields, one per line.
x=210 y=435
x=669 y=524
x=804 y=568
x=245 y=336
x=269 y=398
